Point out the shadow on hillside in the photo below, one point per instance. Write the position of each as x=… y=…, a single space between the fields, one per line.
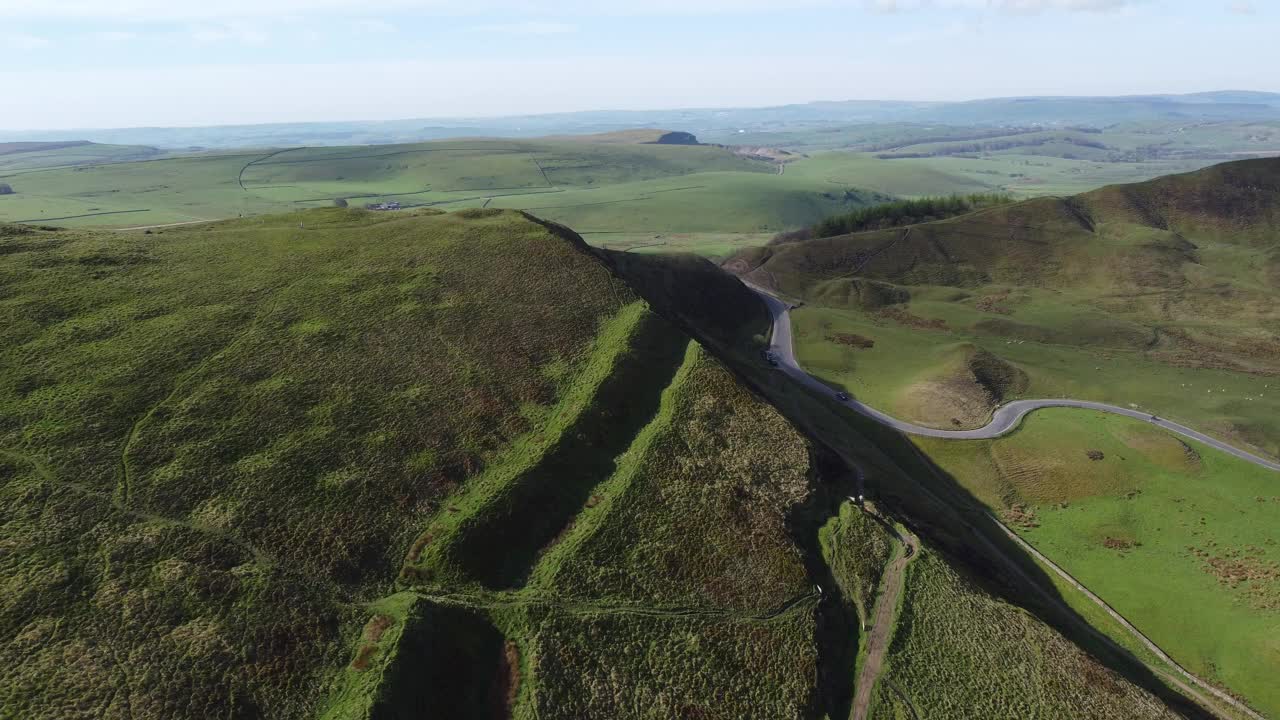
x=934 y=505
x=726 y=318
x=450 y=662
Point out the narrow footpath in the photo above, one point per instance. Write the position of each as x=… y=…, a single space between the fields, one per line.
x=883 y=622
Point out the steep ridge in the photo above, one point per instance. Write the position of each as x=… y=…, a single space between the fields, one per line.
x=280 y=462
x=1053 y=242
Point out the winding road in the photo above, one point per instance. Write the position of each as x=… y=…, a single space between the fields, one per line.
x=1005 y=419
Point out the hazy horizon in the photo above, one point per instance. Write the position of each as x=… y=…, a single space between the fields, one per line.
x=147 y=63
x=624 y=110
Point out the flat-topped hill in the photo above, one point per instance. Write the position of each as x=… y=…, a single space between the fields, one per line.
x=639 y=136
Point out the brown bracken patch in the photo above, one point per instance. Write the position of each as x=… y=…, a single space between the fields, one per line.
x=903 y=317
x=363 y=657
x=1118 y=544
x=1248 y=570
x=507 y=687
x=991 y=303
x=419 y=545
x=1022 y=516
x=852 y=340
x=1096 y=455
x=378 y=625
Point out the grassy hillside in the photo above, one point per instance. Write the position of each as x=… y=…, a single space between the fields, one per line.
x=641 y=189
x=227 y=185
x=1036 y=160
x=1160 y=294
x=1102 y=495
x=16 y=156
x=219 y=443
x=346 y=464
x=958 y=651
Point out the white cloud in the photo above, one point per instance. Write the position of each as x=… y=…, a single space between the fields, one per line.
x=234 y=33
x=1241 y=7
x=1008 y=6
x=23 y=42
x=115 y=37
x=528 y=28
x=374 y=26
x=204 y=10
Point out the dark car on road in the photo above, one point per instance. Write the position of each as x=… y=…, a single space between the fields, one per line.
x=843 y=396
x=770 y=357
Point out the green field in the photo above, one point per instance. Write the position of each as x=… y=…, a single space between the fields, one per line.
x=1204 y=518
x=702 y=199
x=917 y=374
x=16 y=157
x=451 y=173
x=615 y=184
x=916 y=159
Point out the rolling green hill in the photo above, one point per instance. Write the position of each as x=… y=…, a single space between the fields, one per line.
x=347 y=464
x=1174 y=277
x=643 y=189
x=17 y=156
x=1159 y=295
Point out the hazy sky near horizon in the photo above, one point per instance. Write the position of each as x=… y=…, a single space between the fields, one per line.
x=124 y=63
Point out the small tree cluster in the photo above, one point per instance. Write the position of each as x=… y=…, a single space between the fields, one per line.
x=893 y=214
x=6 y=189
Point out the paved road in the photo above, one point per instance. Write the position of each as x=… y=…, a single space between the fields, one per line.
x=1005 y=419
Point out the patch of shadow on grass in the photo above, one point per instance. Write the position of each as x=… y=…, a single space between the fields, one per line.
x=502 y=544
x=450 y=662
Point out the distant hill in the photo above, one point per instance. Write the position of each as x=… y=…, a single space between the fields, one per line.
x=633 y=137
x=1048 y=240
x=1191 y=258
x=16 y=156
x=711 y=124
x=26 y=147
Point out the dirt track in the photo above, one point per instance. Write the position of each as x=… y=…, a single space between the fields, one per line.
x=882 y=626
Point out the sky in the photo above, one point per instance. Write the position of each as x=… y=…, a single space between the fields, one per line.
x=127 y=63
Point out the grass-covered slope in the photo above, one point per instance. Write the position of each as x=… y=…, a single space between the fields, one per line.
x=218 y=442
x=1166 y=288
x=623 y=568
x=460 y=173
x=630 y=190
x=17 y=156
x=1078 y=242
x=1159 y=296
x=356 y=465
x=958 y=651
x=1103 y=495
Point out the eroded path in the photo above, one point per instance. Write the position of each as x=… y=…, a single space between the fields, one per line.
x=883 y=623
